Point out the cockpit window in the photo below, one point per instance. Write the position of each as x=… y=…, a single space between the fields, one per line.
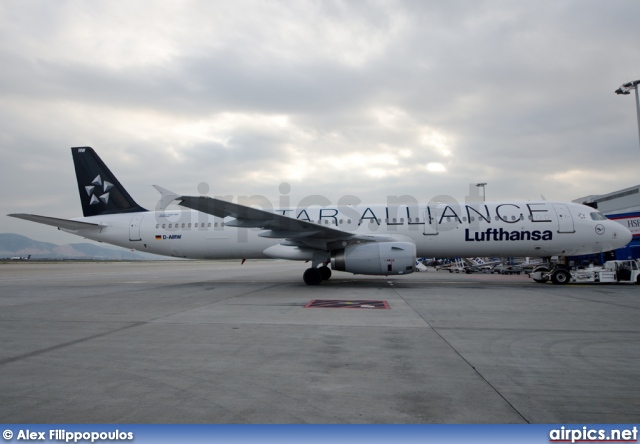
x=597 y=216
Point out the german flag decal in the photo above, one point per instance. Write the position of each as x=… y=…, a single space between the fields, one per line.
x=158 y=237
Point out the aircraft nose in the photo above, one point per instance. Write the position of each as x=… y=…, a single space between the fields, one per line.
x=622 y=234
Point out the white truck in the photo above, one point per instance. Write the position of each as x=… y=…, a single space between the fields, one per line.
x=627 y=271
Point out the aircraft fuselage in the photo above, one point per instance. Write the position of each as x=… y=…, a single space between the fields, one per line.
x=438 y=230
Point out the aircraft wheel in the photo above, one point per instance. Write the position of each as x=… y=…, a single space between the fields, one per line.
x=561 y=277
x=325 y=272
x=312 y=276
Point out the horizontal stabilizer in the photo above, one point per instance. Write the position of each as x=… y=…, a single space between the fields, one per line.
x=166 y=197
x=55 y=222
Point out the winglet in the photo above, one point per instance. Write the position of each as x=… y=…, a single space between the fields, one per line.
x=166 y=197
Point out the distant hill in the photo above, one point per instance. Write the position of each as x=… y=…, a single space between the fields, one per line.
x=12 y=244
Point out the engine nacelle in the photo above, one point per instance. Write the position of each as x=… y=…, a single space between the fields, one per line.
x=376 y=258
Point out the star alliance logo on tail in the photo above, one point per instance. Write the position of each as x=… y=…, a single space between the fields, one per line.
x=98 y=182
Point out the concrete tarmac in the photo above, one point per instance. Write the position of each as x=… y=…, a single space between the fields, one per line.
x=217 y=342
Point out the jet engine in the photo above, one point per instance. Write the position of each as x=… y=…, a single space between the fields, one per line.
x=378 y=258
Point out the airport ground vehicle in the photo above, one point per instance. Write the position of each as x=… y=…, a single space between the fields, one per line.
x=627 y=271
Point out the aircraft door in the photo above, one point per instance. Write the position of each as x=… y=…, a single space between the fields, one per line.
x=431 y=220
x=134 y=227
x=565 y=221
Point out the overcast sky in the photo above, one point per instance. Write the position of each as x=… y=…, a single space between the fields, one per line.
x=372 y=99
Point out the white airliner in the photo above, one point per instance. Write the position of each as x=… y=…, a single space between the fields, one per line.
x=363 y=239
x=21 y=258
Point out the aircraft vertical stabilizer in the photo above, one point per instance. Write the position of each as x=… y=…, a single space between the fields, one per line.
x=100 y=191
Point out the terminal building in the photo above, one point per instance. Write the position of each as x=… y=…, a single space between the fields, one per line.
x=624 y=207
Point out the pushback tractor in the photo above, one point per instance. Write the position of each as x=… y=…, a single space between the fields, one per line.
x=612 y=272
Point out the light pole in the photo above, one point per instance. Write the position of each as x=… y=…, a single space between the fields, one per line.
x=482 y=184
x=624 y=89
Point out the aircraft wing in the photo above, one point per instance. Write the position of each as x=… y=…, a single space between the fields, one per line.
x=276 y=225
x=55 y=222
x=294 y=232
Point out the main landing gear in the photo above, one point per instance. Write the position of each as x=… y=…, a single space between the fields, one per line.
x=315 y=275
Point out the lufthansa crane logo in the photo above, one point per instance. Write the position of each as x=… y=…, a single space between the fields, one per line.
x=599 y=229
x=98 y=191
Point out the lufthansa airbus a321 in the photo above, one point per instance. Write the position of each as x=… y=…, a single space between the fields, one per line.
x=363 y=239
